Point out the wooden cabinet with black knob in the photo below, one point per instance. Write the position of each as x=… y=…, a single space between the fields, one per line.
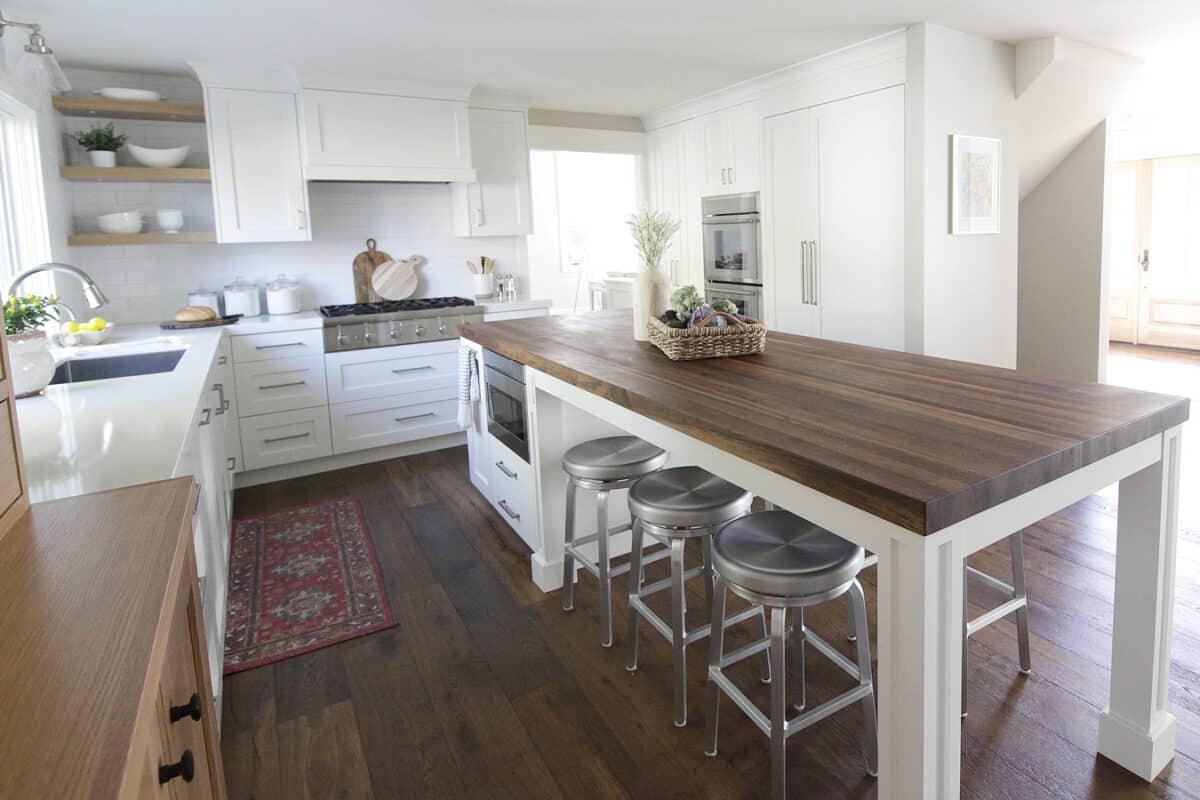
x=103 y=668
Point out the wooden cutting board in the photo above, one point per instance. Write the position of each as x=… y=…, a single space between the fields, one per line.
x=365 y=264
x=176 y=325
x=397 y=280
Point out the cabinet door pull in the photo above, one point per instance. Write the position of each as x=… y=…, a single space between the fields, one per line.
x=184 y=768
x=277 y=346
x=191 y=709
x=816 y=273
x=282 y=385
x=287 y=438
x=231 y=463
x=301 y=226
x=416 y=416
x=223 y=405
x=804 y=273
x=206 y=416
x=506 y=470
x=479 y=217
x=731 y=175
x=509 y=511
x=222 y=360
x=411 y=369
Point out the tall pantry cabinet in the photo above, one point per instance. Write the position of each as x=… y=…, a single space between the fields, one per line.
x=833 y=219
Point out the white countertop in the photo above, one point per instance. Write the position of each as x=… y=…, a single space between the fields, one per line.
x=513 y=305
x=98 y=435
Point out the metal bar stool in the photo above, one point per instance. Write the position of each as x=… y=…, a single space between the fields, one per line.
x=602 y=466
x=782 y=561
x=672 y=506
x=1018 y=603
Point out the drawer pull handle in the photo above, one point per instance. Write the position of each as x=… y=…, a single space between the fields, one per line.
x=231 y=463
x=184 y=768
x=223 y=405
x=287 y=438
x=277 y=346
x=207 y=416
x=411 y=369
x=222 y=360
x=509 y=511
x=189 y=709
x=506 y=470
x=281 y=385
x=416 y=416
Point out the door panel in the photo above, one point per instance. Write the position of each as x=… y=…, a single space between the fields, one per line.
x=1169 y=312
x=789 y=221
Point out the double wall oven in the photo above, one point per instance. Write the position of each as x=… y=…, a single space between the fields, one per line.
x=732 y=267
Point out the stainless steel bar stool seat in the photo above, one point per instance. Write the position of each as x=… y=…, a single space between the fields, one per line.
x=672 y=506
x=783 y=562
x=602 y=465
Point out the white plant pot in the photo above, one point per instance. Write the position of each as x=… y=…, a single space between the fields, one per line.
x=31 y=363
x=103 y=158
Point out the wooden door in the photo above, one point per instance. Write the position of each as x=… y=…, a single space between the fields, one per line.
x=789 y=223
x=860 y=247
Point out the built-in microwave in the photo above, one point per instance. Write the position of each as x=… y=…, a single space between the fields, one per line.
x=747 y=297
x=731 y=238
x=507 y=419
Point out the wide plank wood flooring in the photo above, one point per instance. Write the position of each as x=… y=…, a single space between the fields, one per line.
x=486 y=689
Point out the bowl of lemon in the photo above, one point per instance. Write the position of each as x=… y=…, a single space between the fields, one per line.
x=95 y=331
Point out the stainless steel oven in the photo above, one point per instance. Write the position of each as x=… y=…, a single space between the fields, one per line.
x=746 y=297
x=731 y=238
x=506 y=412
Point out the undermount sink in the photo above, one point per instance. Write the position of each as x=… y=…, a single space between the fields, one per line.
x=79 y=370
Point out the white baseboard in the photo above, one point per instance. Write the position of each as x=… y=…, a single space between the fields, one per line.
x=1145 y=754
x=318 y=465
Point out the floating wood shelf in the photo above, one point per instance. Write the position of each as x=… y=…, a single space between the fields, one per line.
x=136 y=174
x=99 y=239
x=162 y=110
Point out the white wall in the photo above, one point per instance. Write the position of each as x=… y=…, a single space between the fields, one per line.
x=148 y=282
x=962 y=290
x=1063 y=296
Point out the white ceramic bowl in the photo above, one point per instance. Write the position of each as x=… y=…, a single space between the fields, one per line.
x=120 y=222
x=159 y=157
x=95 y=337
x=139 y=95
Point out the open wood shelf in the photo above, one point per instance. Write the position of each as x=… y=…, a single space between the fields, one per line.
x=162 y=110
x=100 y=239
x=136 y=174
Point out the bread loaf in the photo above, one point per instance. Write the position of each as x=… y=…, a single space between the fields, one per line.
x=195 y=314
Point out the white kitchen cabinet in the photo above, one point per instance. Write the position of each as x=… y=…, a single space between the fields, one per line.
x=731 y=150
x=477 y=454
x=497 y=203
x=284 y=344
x=511 y=489
x=281 y=384
x=833 y=203
x=380 y=421
x=387 y=371
x=671 y=190
x=259 y=194
x=269 y=440
x=382 y=137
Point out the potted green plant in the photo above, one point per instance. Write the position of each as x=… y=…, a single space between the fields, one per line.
x=28 y=348
x=652 y=231
x=102 y=144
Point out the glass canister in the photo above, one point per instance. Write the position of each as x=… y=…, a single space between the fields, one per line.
x=241 y=297
x=283 y=296
x=203 y=297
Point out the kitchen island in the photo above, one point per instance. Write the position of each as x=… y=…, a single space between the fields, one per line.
x=922 y=461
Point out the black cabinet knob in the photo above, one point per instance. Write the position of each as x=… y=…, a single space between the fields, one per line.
x=189 y=709
x=184 y=768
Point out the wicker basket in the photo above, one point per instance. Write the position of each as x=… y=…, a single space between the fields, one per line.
x=738 y=338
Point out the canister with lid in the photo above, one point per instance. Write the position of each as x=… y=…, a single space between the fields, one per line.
x=241 y=297
x=283 y=296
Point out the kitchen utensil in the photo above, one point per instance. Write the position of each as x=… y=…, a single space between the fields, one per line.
x=172 y=325
x=120 y=222
x=205 y=298
x=169 y=219
x=159 y=156
x=364 y=267
x=137 y=95
x=488 y=264
x=241 y=297
x=474 y=269
x=397 y=280
x=283 y=296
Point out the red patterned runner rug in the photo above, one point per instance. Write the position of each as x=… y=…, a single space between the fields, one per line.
x=301 y=579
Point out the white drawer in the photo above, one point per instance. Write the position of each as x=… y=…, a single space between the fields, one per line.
x=288 y=436
x=282 y=384
x=287 y=344
x=363 y=424
x=389 y=371
x=510 y=483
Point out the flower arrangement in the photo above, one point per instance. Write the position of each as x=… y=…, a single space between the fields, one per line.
x=100 y=137
x=28 y=312
x=652 y=231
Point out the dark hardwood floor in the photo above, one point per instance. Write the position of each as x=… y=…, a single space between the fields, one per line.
x=486 y=689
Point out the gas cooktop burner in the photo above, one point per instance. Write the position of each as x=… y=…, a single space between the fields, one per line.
x=395 y=306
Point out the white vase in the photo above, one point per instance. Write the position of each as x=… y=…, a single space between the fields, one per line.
x=103 y=158
x=31 y=362
x=651 y=297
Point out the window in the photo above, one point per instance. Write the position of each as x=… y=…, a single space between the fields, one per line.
x=24 y=234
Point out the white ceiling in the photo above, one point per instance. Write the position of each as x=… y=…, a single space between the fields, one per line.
x=607 y=56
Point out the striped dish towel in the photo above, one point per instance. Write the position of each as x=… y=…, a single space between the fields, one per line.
x=468 y=384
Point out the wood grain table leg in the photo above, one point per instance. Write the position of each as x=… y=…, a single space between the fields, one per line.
x=1138 y=730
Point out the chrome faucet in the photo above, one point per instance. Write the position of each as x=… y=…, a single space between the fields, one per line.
x=95 y=297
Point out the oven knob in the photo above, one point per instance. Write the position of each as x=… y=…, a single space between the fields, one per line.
x=366 y=332
x=393 y=333
x=341 y=337
x=441 y=327
x=420 y=330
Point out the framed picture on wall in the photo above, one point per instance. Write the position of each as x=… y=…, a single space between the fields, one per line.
x=974 y=184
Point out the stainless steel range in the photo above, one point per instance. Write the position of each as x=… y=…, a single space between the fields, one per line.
x=359 y=325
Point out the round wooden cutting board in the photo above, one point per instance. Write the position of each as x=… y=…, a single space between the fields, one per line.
x=397 y=280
